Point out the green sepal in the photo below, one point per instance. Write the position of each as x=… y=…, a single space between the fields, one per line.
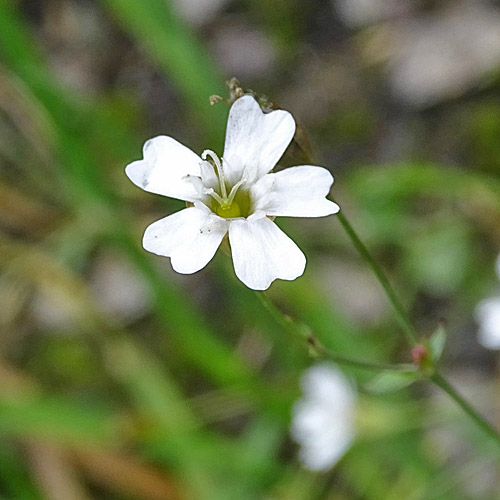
x=437 y=342
x=393 y=380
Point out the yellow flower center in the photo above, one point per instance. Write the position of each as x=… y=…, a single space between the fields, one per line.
x=230 y=205
x=228 y=211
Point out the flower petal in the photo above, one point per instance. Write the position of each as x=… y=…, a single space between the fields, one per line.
x=262 y=253
x=324 y=382
x=295 y=192
x=255 y=140
x=189 y=237
x=328 y=448
x=488 y=317
x=323 y=418
x=163 y=170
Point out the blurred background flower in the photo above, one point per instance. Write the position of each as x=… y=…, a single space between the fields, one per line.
x=323 y=419
x=488 y=317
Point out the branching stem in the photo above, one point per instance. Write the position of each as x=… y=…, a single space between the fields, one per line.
x=316 y=347
x=319 y=350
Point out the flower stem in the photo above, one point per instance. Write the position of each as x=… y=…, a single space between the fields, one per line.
x=317 y=348
x=401 y=314
x=443 y=384
x=410 y=332
x=320 y=350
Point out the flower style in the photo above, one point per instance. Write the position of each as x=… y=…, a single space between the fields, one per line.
x=323 y=419
x=235 y=196
x=488 y=317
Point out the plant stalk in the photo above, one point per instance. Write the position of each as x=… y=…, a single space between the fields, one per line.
x=410 y=332
x=317 y=348
x=401 y=314
x=443 y=384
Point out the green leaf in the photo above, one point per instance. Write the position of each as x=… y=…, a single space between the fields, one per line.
x=437 y=343
x=391 y=380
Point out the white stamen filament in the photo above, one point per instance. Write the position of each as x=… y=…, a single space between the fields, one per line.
x=220 y=170
x=214 y=195
x=224 y=200
x=234 y=190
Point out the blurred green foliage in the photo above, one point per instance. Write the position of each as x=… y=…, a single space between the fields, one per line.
x=193 y=398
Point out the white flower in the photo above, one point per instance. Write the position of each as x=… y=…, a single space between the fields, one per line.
x=235 y=195
x=323 y=419
x=488 y=317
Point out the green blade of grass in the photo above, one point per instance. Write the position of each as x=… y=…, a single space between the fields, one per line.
x=57 y=420
x=13 y=476
x=94 y=200
x=179 y=55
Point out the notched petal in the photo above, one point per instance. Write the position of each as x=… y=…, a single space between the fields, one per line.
x=255 y=140
x=189 y=237
x=164 y=169
x=295 y=192
x=262 y=253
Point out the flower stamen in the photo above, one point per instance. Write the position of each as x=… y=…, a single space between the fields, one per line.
x=211 y=192
x=227 y=206
x=234 y=190
x=220 y=170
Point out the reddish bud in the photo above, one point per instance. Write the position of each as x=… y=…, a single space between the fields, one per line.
x=420 y=355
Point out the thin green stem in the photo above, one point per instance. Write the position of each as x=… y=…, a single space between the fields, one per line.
x=401 y=314
x=410 y=332
x=317 y=348
x=442 y=383
x=305 y=334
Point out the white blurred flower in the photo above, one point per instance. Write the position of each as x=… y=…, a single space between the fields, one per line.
x=235 y=196
x=323 y=419
x=488 y=317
